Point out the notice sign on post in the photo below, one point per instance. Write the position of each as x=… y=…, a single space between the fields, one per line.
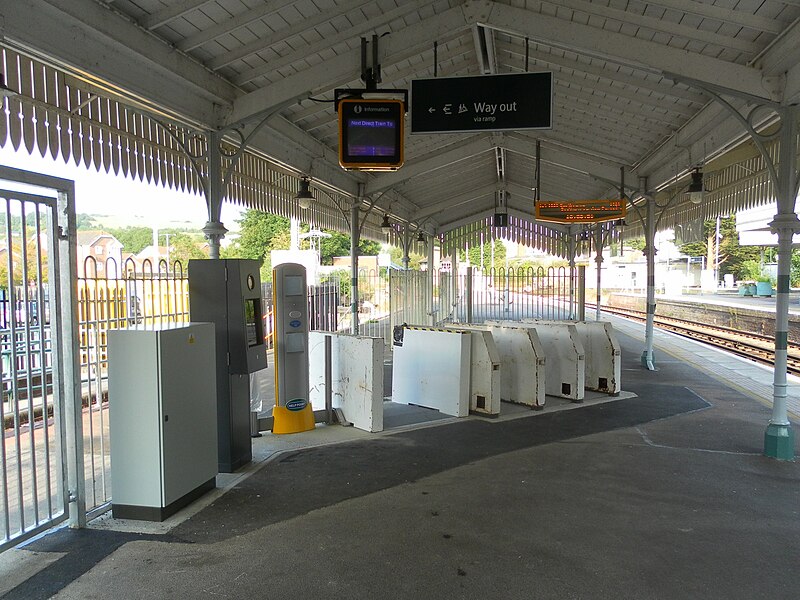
x=580 y=211
x=486 y=103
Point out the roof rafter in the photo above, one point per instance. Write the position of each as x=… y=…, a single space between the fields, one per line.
x=616 y=47
x=550 y=60
x=361 y=27
x=662 y=26
x=346 y=67
x=170 y=13
x=241 y=20
x=724 y=15
x=281 y=35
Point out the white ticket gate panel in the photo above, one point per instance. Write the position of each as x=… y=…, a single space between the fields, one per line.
x=431 y=368
x=603 y=355
x=356 y=377
x=566 y=358
x=485 y=372
x=522 y=364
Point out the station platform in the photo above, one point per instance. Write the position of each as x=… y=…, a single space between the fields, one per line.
x=661 y=492
x=730 y=298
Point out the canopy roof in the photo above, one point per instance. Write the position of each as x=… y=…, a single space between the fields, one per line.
x=633 y=84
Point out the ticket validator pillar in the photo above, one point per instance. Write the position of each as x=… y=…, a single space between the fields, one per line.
x=227 y=292
x=292 y=412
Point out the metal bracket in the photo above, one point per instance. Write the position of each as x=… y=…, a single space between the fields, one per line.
x=366 y=93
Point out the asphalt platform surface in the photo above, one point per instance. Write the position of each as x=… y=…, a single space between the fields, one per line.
x=664 y=495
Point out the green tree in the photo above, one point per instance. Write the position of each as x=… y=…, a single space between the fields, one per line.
x=31 y=262
x=133 y=239
x=474 y=255
x=635 y=244
x=85 y=222
x=259 y=233
x=732 y=257
x=795 y=271
x=338 y=244
x=183 y=247
x=414 y=259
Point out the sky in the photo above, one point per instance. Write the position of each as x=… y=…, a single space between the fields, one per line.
x=123 y=200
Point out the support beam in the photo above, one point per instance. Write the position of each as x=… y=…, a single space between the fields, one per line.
x=170 y=13
x=346 y=67
x=483 y=214
x=738 y=17
x=93 y=42
x=648 y=359
x=779 y=437
x=214 y=230
x=549 y=60
x=665 y=26
x=616 y=47
x=783 y=53
x=281 y=35
x=235 y=22
x=577 y=161
x=286 y=143
x=360 y=27
x=453 y=202
x=355 y=238
x=439 y=159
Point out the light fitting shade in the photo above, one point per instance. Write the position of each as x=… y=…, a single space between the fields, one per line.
x=420 y=237
x=385 y=223
x=304 y=195
x=696 y=188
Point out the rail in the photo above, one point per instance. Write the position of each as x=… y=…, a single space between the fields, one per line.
x=753 y=346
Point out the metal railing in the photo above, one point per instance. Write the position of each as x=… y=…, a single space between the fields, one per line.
x=33 y=451
x=122 y=297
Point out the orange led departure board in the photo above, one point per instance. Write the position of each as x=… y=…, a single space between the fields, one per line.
x=580 y=211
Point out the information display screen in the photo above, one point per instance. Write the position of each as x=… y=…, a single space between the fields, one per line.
x=371 y=134
x=371 y=137
x=580 y=211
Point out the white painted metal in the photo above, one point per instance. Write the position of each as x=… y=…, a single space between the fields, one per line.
x=566 y=357
x=163 y=413
x=357 y=377
x=432 y=369
x=485 y=371
x=41 y=454
x=523 y=377
x=603 y=355
x=628 y=89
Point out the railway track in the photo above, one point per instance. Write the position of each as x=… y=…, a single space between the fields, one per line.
x=753 y=346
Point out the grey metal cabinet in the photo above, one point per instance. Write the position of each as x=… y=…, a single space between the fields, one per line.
x=163 y=418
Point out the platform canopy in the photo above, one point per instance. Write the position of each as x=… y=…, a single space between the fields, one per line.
x=132 y=85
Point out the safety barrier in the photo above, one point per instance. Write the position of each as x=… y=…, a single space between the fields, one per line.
x=603 y=355
x=566 y=358
x=522 y=364
x=356 y=377
x=485 y=372
x=431 y=368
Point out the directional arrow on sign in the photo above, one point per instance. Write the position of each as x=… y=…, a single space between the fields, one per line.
x=431 y=110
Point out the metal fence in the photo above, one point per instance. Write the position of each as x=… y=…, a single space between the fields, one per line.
x=126 y=296
x=33 y=352
x=130 y=296
x=422 y=298
x=514 y=294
